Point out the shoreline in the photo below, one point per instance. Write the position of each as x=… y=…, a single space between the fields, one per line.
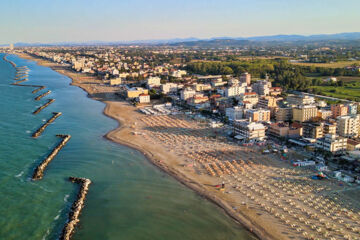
x=241 y=219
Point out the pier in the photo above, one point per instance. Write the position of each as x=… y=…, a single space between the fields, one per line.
x=50 y=101
x=42 y=95
x=76 y=208
x=45 y=125
x=39 y=171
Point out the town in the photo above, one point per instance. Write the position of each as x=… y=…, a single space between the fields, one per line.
x=251 y=110
x=255 y=136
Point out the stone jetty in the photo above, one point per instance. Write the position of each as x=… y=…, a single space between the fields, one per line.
x=50 y=101
x=42 y=95
x=38 y=88
x=42 y=128
x=11 y=62
x=18 y=82
x=76 y=208
x=39 y=171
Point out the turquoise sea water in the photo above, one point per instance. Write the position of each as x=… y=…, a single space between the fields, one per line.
x=129 y=197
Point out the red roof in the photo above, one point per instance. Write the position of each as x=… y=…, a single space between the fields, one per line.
x=144 y=95
x=215 y=96
x=249 y=93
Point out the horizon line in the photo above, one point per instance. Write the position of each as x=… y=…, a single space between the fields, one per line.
x=175 y=38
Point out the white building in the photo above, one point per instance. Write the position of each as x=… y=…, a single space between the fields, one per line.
x=331 y=143
x=144 y=98
x=261 y=87
x=233 y=82
x=348 y=126
x=115 y=81
x=178 y=73
x=234 y=91
x=249 y=131
x=153 y=82
x=169 y=88
x=115 y=72
x=187 y=93
x=301 y=99
x=234 y=113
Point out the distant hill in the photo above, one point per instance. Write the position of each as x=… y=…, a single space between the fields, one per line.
x=337 y=36
x=212 y=42
x=340 y=38
x=215 y=43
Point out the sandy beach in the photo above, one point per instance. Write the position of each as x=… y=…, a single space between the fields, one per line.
x=265 y=194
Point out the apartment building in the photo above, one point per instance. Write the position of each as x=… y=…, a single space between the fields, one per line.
x=246 y=78
x=169 y=88
x=348 y=126
x=234 y=113
x=258 y=115
x=187 y=93
x=281 y=129
x=283 y=114
x=304 y=113
x=261 y=87
x=249 y=131
x=339 y=110
x=324 y=114
x=313 y=130
x=135 y=92
x=267 y=102
x=153 y=82
x=250 y=97
x=275 y=91
x=352 y=108
x=199 y=87
x=302 y=99
x=234 y=91
x=144 y=98
x=330 y=128
x=331 y=143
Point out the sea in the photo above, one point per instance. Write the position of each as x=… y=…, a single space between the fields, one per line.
x=129 y=198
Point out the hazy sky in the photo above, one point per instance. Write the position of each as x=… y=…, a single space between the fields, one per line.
x=115 y=20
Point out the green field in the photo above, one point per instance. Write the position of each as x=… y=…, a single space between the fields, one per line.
x=340 y=64
x=345 y=79
x=350 y=91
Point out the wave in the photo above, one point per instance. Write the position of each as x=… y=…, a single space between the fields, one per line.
x=20 y=174
x=66 y=197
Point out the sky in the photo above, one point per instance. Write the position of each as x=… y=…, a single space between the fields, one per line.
x=54 y=21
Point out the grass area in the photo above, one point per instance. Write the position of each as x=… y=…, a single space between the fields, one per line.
x=340 y=64
x=345 y=79
x=350 y=91
x=243 y=58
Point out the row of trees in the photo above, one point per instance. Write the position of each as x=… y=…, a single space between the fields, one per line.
x=285 y=75
x=256 y=68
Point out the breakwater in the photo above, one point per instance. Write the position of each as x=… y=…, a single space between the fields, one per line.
x=39 y=171
x=76 y=208
x=20 y=77
x=50 y=101
x=11 y=62
x=42 y=95
x=42 y=128
x=38 y=88
x=18 y=82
